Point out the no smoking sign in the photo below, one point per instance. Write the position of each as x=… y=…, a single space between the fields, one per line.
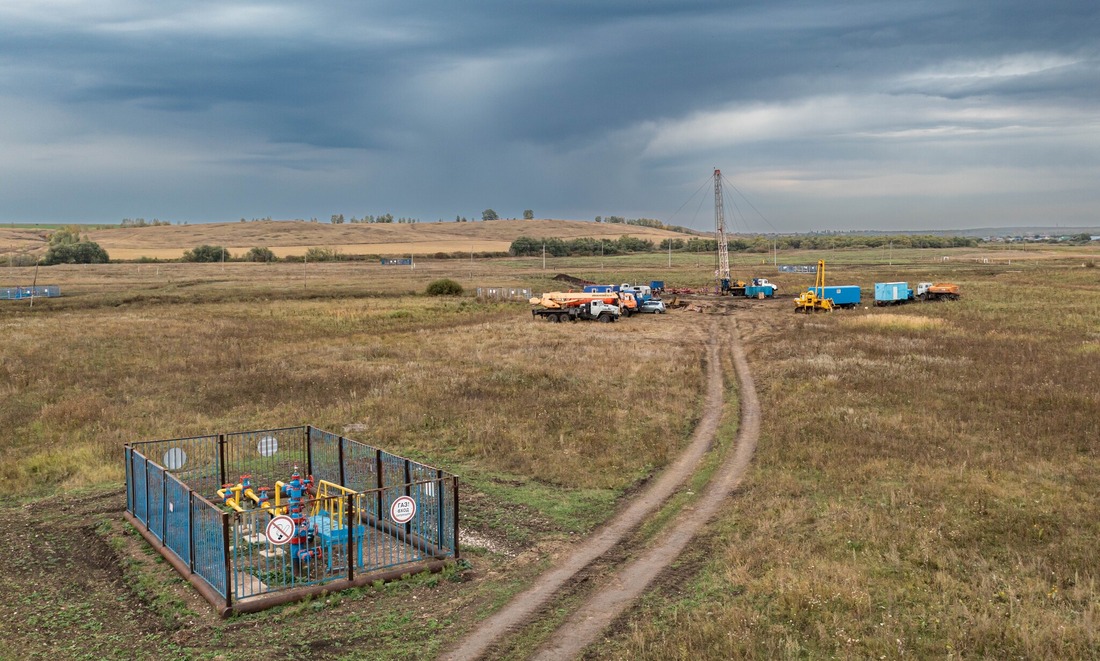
x=280 y=530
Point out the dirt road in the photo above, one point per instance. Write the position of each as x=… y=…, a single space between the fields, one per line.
x=585 y=624
x=593 y=616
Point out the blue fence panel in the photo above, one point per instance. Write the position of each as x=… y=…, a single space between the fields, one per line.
x=209 y=560
x=155 y=490
x=324 y=455
x=266 y=456
x=393 y=474
x=141 y=500
x=177 y=517
x=195 y=461
x=361 y=472
x=40 y=291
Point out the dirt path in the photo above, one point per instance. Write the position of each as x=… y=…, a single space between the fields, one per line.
x=518 y=611
x=585 y=624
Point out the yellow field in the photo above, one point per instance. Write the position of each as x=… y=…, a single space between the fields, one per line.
x=286 y=238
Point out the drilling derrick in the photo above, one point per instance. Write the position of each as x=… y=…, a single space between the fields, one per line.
x=722 y=274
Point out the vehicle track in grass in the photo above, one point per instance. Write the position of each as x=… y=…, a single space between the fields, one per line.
x=571 y=638
x=587 y=621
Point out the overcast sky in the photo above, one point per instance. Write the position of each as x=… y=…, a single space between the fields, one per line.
x=885 y=114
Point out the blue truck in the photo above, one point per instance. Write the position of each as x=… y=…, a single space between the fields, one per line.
x=845 y=296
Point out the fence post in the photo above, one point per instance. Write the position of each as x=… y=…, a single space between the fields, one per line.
x=379 y=481
x=309 y=450
x=191 y=529
x=408 y=492
x=351 y=535
x=228 y=561
x=221 y=460
x=164 y=508
x=146 y=522
x=130 y=506
x=439 y=509
x=342 y=483
x=456 y=517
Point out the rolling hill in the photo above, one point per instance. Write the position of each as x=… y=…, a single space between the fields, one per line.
x=295 y=237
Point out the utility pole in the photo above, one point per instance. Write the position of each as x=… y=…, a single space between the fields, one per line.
x=543 y=255
x=670 y=253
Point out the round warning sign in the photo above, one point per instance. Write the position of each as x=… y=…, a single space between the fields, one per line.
x=403 y=509
x=280 y=530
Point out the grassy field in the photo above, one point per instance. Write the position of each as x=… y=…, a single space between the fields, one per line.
x=924 y=486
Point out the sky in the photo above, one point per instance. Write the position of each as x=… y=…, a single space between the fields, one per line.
x=884 y=114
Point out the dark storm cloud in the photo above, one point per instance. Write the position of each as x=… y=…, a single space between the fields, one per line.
x=830 y=113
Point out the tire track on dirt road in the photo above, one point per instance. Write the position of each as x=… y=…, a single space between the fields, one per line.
x=526 y=604
x=586 y=623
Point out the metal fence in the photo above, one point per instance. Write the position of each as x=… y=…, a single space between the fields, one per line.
x=40 y=291
x=504 y=293
x=209 y=504
x=798 y=268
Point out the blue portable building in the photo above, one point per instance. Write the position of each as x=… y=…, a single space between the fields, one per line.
x=754 y=291
x=600 y=289
x=845 y=296
x=891 y=293
x=657 y=286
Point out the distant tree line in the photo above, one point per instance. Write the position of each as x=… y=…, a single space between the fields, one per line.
x=338 y=219
x=141 y=222
x=643 y=222
x=528 y=246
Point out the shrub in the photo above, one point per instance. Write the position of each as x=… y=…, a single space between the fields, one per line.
x=205 y=253
x=318 y=254
x=260 y=254
x=444 y=287
x=83 y=252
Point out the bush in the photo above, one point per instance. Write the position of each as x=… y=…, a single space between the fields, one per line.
x=84 y=252
x=260 y=254
x=205 y=253
x=318 y=254
x=444 y=287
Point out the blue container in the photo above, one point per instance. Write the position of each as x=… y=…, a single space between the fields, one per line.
x=753 y=291
x=892 y=292
x=846 y=296
x=657 y=285
x=600 y=289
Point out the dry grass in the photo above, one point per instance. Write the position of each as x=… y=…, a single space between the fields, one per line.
x=895 y=322
x=924 y=487
x=295 y=237
x=480 y=386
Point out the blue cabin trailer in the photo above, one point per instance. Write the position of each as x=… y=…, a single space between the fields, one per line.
x=892 y=293
x=844 y=296
x=755 y=291
x=600 y=289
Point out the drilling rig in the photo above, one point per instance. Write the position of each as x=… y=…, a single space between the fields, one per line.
x=722 y=273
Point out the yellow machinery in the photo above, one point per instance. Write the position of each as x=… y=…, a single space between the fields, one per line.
x=814 y=300
x=237 y=495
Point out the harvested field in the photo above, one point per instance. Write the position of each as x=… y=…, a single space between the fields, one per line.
x=921 y=485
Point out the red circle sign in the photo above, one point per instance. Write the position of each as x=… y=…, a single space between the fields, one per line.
x=280 y=530
x=403 y=509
